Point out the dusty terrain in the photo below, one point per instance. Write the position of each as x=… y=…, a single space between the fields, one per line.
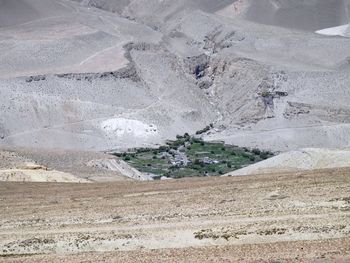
x=301 y=160
x=303 y=217
x=82 y=77
x=110 y=74
x=33 y=165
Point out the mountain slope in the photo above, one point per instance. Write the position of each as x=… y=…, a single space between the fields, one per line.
x=99 y=75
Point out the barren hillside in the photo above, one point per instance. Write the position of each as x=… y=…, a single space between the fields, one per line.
x=104 y=74
x=101 y=98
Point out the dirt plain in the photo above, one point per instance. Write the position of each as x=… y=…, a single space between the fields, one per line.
x=292 y=217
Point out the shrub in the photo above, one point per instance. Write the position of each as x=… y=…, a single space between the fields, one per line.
x=266 y=94
x=245 y=155
x=264 y=155
x=163 y=148
x=256 y=151
x=206 y=129
x=196 y=140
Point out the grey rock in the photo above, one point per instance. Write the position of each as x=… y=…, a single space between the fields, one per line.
x=105 y=74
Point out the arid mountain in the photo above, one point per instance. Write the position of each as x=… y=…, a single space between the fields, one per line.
x=110 y=74
x=91 y=90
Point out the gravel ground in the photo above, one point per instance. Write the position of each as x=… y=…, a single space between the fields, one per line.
x=301 y=217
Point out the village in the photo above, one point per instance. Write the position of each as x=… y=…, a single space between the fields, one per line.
x=190 y=157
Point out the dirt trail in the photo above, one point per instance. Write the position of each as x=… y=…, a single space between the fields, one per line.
x=299 y=217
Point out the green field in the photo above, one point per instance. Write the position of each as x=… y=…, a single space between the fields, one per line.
x=204 y=158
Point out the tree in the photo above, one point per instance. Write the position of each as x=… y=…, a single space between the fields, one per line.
x=256 y=151
x=264 y=155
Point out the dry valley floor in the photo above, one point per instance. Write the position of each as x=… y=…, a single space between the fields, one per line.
x=292 y=217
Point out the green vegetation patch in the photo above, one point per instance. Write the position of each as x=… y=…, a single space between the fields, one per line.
x=190 y=157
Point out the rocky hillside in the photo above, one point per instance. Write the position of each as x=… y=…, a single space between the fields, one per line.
x=104 y=74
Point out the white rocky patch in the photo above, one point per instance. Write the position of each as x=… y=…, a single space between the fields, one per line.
x=121 y=127
x=343 y=31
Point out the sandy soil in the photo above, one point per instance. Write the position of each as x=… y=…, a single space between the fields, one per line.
x=302 y=217
x=296 y=161
x=38 y=175
x=32 y=165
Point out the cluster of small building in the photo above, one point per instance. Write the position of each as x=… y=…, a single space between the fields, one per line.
x=176 y=158
x=179 y=158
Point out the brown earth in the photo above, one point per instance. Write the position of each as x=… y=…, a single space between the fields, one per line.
x=295 y=217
